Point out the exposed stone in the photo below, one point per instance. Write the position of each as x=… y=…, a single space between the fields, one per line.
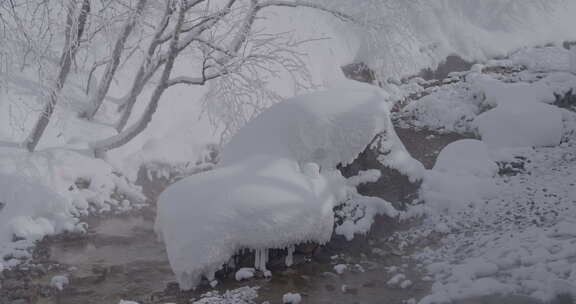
x=451 y=64
x=359 y=72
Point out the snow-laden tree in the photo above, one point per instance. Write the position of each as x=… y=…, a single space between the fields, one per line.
x=218 y=35
x=402 y=37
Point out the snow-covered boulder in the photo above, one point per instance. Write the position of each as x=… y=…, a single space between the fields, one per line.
x=466 y=157
x=461 y=176
x=497 y=92
x=553 y=58
x=29 y=211
x=327 y=128
x=277 y=184
x=258 y=204
x=530 y=124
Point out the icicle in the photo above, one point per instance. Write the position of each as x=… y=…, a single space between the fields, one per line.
x=290 y=256
x=260 y=259
x=264 y=259
x=256 y=258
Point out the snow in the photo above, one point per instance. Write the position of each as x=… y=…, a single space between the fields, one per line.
x=462 y=175
x=203 y=231
x=326 y=128
x=516 y=95
x=523 y=240
x=467 y=156
x=396 y=279
x=291 y=298
x=521 y=125
x=545 y=59
x=29 y=211
x=242 y=295
x=59 y=282
x=497 y=92
x=44 y=193
x=508 y=233
x=244 y=273
x=340 y=268
x=401 y=38
x=277 y=183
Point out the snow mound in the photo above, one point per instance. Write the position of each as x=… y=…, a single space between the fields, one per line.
x=244 y=273
x=543 y=59
x=461 y=176
x=28 y=212
x=277 y=184
x=326 y=128
x=86 y=184
x=259 y=204
x=291 y=298
x=445 y=110
x=46 y=191
x=467 y=156
x=497 y=92
x=530 y=124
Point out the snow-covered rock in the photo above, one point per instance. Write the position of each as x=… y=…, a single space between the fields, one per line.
x=466 y=156
x=326 y=128
x=340 y=268
x=59 y=282
x=258 y=204
x=244 y=273
x=497 y=92
x=29 y=211
x=277 y=184
x=291 y=298
x=462 y=175
x=529 y=124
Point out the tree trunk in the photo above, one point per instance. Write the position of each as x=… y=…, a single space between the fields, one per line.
x=73 y=34
x=133 y=131
x=113 y=64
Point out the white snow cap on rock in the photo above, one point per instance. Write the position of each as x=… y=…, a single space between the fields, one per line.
x=529 y=124
x=29 y=211
x=277 y=183
x=291 y=298
x=59 y=282
x=327 y=127
x=462 y=174
x=466 y=156
x=497 y=92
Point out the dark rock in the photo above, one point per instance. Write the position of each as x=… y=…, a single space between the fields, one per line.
x=451 y=64
x=359 y=72
x=569 y=44
x=512 y=168
x=392 y=185
x=564 y=299
x=566 y=101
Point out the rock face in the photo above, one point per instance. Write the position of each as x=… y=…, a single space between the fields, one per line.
x=392 y=186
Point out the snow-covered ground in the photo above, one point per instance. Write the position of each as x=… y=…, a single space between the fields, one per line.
x=503 y=233
x=504 y=205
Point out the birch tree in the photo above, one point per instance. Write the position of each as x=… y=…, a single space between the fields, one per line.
x=222 y=57
x=75 y=24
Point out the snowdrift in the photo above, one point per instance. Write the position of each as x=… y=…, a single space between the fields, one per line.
x=28 y=212
x=276 y=185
